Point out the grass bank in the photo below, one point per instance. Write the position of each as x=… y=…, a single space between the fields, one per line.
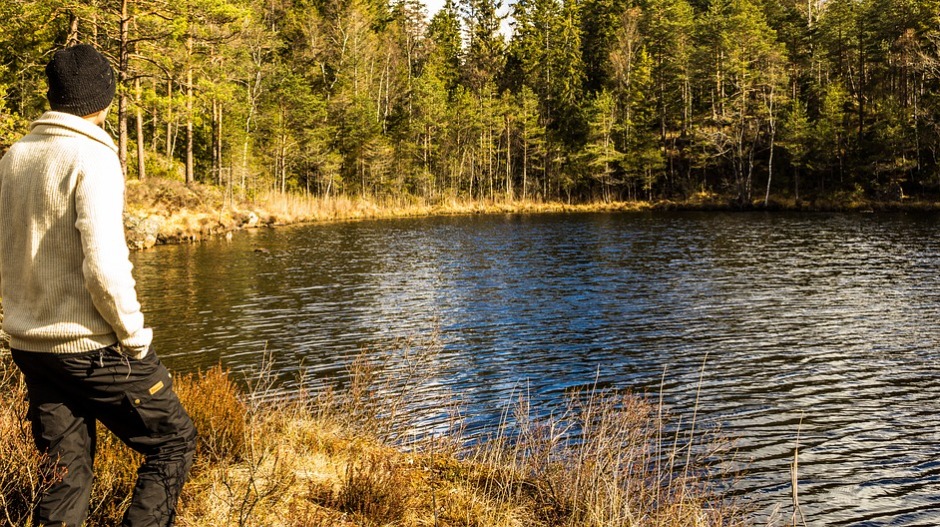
x=163 y=211
x=325 y=459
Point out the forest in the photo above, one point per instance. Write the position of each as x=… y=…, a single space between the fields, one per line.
x=758 y=101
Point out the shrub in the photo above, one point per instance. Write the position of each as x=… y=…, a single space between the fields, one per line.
x=375 y=490
x=211 y=398
x=21 y=481
x=217 y=408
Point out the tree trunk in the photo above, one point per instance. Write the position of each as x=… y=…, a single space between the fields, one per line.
x=169 y=125
x=525 y=167
x=770 y=158
x=216 y=169
x=123 y=57
x=156 y=129
x=72 y=39
x=509 y=193
x=189 y=109
x=141 y=169
x=218 y=141
x=796 y=184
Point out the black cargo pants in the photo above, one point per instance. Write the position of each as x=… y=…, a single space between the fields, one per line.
x=132 y=398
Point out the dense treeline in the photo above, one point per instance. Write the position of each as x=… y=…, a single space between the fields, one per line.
x=584 y=100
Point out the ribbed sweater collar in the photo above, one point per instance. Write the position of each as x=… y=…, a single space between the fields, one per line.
x=50 y=121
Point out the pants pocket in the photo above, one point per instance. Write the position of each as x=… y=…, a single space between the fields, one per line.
x=153 y=401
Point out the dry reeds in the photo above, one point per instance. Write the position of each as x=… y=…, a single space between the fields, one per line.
x=21 y=481
x=607 y=459
x=600 y=462
x=163 y=210
x=292 y=208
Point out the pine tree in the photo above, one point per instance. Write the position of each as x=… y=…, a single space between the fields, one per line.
x=743 y=65
x=444 y=43
x=668 y=28
x=602 y=157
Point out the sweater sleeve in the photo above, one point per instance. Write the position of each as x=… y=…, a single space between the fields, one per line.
x=99 y=202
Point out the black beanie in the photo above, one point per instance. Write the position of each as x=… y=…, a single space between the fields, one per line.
x=81 y=81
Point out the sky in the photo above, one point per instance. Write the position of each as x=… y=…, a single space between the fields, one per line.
x=433 y=6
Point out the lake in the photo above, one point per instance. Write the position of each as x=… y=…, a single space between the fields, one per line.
x=822 y=325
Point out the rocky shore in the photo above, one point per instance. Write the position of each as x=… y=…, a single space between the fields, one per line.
x=163 y=211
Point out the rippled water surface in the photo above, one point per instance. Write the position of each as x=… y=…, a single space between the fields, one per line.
x=826 y=324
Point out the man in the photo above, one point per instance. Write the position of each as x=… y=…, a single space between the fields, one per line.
x=70 y=304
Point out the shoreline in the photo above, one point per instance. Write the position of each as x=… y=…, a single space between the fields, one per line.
x=165 y=212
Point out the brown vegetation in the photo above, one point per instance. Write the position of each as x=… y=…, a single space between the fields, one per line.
x=304 y=461
x=161 y=211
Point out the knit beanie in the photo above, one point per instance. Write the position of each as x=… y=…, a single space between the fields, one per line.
x=81 y=81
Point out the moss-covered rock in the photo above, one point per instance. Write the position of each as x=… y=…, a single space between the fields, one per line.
x=142 y=230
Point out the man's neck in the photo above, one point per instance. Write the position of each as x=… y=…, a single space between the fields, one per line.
x=97 y=118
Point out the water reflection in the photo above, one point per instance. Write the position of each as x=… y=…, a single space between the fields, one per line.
x=824 y=320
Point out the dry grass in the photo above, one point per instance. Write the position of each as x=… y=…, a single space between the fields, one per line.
x=275 y=208
x=330 y=460
x=219 y=412
x=163 y=210
x=603 y=461
x=21 y=481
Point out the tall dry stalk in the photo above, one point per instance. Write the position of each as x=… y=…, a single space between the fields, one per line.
x=599 y=463
x=22 y=480
x=383 y=387
x=250 y=467
x=794 y=481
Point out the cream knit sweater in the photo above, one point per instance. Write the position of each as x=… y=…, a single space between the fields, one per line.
x=65 y=277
